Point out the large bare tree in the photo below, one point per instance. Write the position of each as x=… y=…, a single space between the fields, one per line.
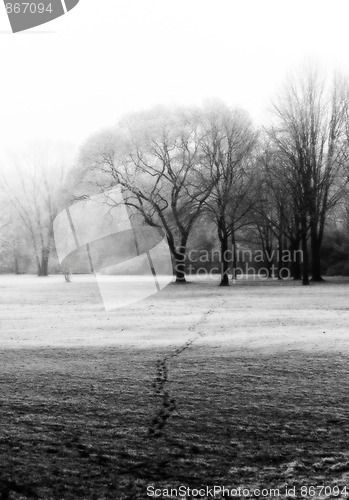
x=156 y=157
x=229 y=141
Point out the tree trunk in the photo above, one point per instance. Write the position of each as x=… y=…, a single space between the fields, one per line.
x=224 y=260
x=279 y=255
x=43 y=265
x=178 y=258
x=180 y=265
x=315 y=257
x=305 y=278
x=234 y=263
x=267 y=253
x=180 y=272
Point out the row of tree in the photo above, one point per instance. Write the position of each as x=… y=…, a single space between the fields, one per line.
x=196 y=167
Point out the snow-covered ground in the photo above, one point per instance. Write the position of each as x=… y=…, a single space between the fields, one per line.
x=267 y=316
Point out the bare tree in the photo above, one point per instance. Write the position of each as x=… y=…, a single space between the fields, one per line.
x=156 y=157
x=228 y=145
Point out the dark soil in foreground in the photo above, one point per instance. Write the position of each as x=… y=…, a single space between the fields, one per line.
x=105 y=424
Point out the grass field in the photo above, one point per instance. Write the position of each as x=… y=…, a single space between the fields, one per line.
x=197 y=385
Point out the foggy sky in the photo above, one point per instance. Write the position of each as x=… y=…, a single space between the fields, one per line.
x=79 y=73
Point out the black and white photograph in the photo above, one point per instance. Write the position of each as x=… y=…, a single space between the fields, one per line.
x=174 y=249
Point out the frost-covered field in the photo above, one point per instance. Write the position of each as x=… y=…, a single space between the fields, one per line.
x=197 y=385
x=263 y=315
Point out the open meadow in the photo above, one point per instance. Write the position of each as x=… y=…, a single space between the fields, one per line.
x=198 y=385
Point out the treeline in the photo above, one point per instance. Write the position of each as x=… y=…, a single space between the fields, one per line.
x=207 y=176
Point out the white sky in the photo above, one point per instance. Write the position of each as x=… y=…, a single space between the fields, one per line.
x=79 y=73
